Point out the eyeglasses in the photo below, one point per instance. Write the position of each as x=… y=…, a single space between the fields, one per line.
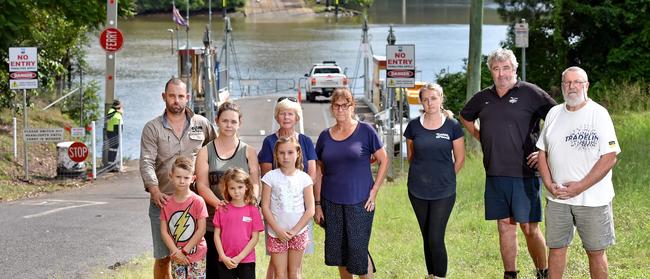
x=575 y=82
x=340 y=106
x=501 y=69
x=293 y=99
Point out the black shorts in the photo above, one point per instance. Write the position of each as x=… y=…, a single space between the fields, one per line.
x=518 y=198
x=347 y=234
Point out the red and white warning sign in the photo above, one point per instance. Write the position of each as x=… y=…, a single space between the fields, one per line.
x=23 y=65
x=400 y=66
x=23 y=75
x=23 y=59
x=78 y=152
x=401 y=73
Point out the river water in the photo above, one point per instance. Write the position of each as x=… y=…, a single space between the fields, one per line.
x=286 y=49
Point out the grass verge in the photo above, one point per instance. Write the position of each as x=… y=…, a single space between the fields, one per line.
x=42 y=157
x=472 y=242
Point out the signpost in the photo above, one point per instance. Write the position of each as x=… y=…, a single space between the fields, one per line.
x=78 y=152
x=400 y=66
x=111 y=40
x=23 y=69
x=521 y=40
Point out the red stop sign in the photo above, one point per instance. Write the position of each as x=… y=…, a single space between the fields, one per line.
x=78 y=152
x=111 y=39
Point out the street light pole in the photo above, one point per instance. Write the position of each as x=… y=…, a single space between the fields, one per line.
x=366 y=60
x=207 y=76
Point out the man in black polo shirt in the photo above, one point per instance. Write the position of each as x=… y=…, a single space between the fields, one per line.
x=509 y=114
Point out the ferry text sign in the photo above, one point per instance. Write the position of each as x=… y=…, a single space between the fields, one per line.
x=111 y=39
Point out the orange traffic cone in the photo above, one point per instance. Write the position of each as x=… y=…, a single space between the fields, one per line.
x=299 y=96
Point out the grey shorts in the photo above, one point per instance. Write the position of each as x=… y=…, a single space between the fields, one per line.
x=595 y=225
x=160 y=250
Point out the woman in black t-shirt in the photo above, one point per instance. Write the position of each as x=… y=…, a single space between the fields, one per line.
x=436 y=152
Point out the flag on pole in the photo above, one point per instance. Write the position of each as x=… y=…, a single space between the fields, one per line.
x=178 y=18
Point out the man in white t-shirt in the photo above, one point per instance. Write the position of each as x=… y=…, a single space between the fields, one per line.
x=578 y=149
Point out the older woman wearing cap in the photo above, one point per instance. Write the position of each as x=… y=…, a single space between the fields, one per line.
x=346 y=195
x=287 y=115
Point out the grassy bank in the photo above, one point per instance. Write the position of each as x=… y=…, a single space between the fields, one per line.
x=42 y=156
x=472 y=242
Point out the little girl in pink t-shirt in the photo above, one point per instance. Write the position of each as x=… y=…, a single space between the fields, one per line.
x=237 y=226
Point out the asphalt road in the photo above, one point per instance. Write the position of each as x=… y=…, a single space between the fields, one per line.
x=258 y=119
x=76 y=233
x=69 y=233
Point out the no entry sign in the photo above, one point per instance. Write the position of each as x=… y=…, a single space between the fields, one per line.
x=111 y=39
x=78 y=152
x=23 y=65
x=400 y=66
x=23 y=59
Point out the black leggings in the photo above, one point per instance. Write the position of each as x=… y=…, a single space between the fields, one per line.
x=211 y=257
x=432 y=217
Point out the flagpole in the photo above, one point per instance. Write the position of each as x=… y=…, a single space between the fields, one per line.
x=189 y=58
x=187 y=27
x=178 y=50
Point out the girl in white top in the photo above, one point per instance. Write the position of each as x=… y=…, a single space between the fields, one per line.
x=287 y=206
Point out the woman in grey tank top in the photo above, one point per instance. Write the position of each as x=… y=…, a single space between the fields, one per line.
x=225 y=152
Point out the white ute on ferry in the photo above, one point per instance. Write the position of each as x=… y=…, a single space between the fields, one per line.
x=323 y=78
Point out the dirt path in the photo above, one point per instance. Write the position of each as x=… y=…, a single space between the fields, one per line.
x=276 y=9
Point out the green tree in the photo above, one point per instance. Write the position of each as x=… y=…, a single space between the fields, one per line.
x=542 y=54
x=164 y=6
x=609 y=39
x=91 y=109
x=364 y=4
x=59 y=29
x=454 y=85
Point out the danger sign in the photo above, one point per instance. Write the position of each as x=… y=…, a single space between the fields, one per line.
x=111 y=39
x=23 y=75
x=78 y=152
x=400 y=73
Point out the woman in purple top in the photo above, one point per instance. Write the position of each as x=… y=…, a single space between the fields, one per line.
x=346 y=195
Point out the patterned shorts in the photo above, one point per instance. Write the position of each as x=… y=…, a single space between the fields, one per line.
x=298 y=242
x=347 y=235
x=195 y=270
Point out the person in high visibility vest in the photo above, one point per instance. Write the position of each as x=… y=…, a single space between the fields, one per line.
x=113 y=127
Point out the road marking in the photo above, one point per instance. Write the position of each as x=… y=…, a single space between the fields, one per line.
x=327 y=119
x=35 y=203
x=83 y=204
